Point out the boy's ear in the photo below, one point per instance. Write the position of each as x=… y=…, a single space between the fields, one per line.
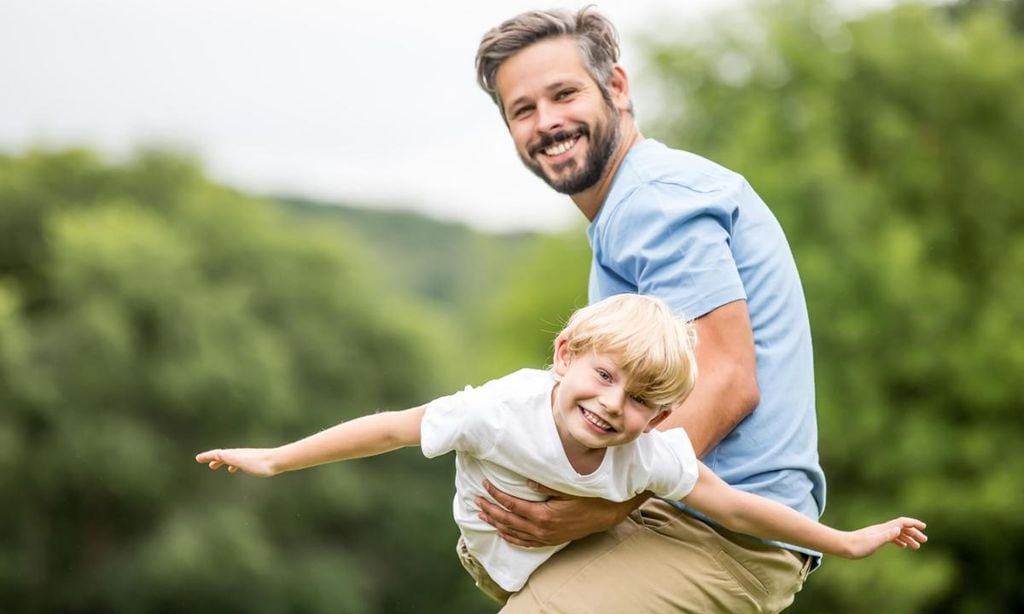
x=563 y=355
x=658 y=419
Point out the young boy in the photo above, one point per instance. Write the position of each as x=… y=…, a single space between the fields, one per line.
x=586 y=428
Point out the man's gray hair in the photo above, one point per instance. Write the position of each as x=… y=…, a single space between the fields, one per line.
x=594 y=34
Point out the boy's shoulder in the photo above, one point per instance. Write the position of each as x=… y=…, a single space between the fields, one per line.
x=523 y=385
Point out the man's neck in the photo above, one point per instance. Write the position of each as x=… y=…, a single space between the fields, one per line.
x=589 y=201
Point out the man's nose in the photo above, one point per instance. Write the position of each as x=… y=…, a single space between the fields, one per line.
x=549 y=117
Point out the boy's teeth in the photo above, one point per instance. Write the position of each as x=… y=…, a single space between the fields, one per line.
x=593 y=419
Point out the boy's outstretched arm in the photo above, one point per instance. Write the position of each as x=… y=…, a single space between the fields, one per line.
x=365 y=436
x=750 y=514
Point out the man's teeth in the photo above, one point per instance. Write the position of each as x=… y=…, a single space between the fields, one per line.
x=593 y=419
x=560 y=148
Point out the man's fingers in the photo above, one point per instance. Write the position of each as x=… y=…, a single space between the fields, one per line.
x=494 y=514
x=508 y=501
x=516 y=540
x=544 y=490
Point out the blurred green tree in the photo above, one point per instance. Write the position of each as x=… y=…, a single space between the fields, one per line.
x=889 y=146
x=146 y=314
x=520 y=320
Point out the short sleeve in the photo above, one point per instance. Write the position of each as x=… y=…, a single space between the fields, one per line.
x=675 y=244
x=469 y=421
x=676 y=463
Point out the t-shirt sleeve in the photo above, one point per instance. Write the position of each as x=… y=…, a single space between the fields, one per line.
x=468 y=421
x=675 y=244
x=676 y=465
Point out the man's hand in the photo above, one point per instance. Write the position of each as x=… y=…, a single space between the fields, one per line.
x=559 y=519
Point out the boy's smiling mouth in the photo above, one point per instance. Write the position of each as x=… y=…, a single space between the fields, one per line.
x=596 y=420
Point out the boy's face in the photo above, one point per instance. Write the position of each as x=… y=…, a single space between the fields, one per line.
x=590 y=404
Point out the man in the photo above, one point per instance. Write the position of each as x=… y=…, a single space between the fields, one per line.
x=680 y=227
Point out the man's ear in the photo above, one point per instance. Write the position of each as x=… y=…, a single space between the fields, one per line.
x=563 y=355
x=619 y=88
x=658 y=419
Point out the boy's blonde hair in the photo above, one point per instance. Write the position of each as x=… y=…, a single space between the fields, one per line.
x=653 y=346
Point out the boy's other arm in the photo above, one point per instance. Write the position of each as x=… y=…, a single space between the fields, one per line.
x=726 y=390
x=364 y=436
x=750 y=514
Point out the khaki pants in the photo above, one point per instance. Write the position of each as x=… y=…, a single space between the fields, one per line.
x=483 y=581
x=663 y=560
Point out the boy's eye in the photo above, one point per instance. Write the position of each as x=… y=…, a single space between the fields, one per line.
x=638 y=399
x=604 y=375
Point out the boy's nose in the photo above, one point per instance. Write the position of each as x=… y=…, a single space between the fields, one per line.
x=614 y=399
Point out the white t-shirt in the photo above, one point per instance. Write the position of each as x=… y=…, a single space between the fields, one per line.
x=504 y=432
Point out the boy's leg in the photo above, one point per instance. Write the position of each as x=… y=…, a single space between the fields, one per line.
x=662 y=560
x=483 y=581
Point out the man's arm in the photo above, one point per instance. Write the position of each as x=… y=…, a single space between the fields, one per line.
x=365 y=436
x=560 y=519
x=726 y=390
x=750 y=514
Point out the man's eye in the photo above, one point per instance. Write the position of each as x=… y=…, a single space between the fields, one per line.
x=521 y=111
x=564 y=94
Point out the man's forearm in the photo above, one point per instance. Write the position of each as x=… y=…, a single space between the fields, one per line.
x=727 y=389
x=717 y=404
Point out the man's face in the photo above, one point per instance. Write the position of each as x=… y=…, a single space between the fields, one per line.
x=563 y=128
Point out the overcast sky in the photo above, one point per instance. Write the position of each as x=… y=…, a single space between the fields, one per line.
x=365 y=102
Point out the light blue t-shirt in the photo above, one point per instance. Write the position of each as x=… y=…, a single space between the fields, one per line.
x=696 y=235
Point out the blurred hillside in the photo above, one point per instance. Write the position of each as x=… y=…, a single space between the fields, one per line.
x=444 y=263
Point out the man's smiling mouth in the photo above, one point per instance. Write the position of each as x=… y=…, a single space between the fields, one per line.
x=557 y=144
x=560 y=147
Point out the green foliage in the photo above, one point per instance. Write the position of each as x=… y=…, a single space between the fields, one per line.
x=889 y=147
x=147 y=314
x=456 y=273
x=522 y=319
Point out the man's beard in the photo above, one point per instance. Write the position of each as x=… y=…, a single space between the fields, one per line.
x=602 y=142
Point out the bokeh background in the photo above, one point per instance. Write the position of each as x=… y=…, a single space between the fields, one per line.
x=156 y=301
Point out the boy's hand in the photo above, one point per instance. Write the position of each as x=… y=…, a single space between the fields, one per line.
x=561 y=518
x=904 y=532
x=254 y=461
